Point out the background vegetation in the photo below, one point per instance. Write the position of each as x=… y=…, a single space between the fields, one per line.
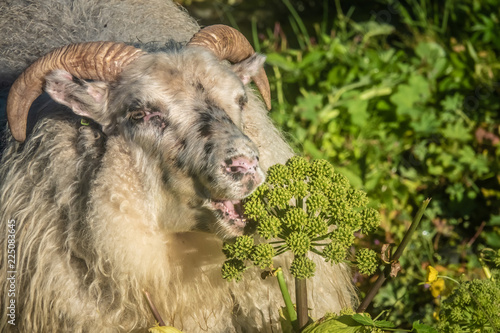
x=403 y=98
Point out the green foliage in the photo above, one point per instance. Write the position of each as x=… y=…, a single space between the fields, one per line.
x=473 y=306
x=405 y=105
x=350 y=322
x=307 y=208
x=403 y=98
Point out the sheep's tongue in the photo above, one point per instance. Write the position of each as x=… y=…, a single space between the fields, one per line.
x=232 y=210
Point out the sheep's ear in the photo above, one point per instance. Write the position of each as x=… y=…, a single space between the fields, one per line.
x=249 y=67
x=87 y=99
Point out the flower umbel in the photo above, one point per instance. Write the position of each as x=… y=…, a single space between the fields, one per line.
x=306 y=208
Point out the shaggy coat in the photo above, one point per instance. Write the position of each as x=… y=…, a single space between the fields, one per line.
x=113 y=193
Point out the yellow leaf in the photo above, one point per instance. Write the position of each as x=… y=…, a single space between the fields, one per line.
x=163 y=329
x=432 y=274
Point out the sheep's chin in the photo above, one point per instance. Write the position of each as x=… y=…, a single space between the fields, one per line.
x=230 y=218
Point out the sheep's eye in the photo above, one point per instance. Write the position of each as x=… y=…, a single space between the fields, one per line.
x=136 y=115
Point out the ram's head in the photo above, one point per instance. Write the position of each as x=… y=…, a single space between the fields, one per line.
x=183 y=109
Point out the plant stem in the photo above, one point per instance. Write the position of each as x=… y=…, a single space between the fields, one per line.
x=411 y=230
x=387 y=270
x=449 y=278
x=156 y=314
x=299 y=22
x=302 y=309
x=286 y=296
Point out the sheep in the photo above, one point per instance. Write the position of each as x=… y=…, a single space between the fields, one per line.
x=31 y=28
x=130 y=182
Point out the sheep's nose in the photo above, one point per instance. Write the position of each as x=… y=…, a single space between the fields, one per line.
x=242 y=165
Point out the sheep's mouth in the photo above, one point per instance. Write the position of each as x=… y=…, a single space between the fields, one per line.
x=231 y=217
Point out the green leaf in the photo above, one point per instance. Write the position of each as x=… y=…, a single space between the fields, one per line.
x=363 y=319
x=276 y=59
x=495 y=220
x=343 y=324
x=452 y=103
x=430 y=51
x=434 y=55
x=310 y=148
x=367 y=321
x=308 y=106
x=493 y=239
x=354 y=179
x=416 y=91
x=422 y=328
x=426 y=124
x=457 y=131
x=311 y=58
x=358 y=110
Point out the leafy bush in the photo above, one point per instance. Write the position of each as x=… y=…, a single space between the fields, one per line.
x=406 y=106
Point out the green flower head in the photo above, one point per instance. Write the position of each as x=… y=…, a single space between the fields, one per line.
x=299 y=242
x=262 y=255
x=343 y=235
x=280 y=197
x=295 y=219
x=302 y=268
x=370 y=220
x=241 y=249
x=269 y=227
x=335 y=252
x=367 y=261
x=321 y=168
x=299 y=168
x=317 y=226
x=278 y=175
x=233 y=270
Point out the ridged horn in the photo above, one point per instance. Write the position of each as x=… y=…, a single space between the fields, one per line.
x=229 y=44
x=102 y=61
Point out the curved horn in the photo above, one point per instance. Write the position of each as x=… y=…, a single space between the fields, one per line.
x=102 y=61
x=230 y=44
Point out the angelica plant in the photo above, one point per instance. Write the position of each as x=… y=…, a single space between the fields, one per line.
x=306 y=208
x=473 y=306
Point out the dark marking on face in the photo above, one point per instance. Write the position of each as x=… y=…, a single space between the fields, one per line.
x=242 y=100
x=207 y=117
x=205 y=129
x=250 y=185
x=226 y=118
x=165 y=176
x=205 y=219
x=180 y=162
x=135 y=105
x=200 y=87
x=237 y=176
x=157 y=121
x=206 y=121
x=78 y=81
x=208 y=148
x=182 y=144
